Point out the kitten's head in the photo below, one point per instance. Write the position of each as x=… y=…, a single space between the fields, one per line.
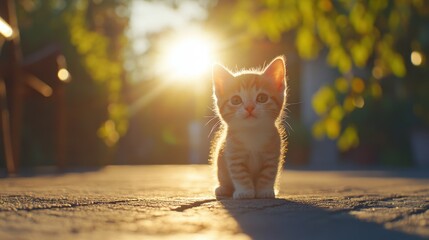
x=250 y=98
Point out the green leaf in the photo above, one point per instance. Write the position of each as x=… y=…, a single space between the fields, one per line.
x=348 y=139
x=306 y=43
x=397 y=65
x=323 y=100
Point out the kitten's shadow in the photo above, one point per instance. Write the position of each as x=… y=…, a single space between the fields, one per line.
x=281 y=218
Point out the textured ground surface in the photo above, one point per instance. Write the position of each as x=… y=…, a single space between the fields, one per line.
x=176 y=202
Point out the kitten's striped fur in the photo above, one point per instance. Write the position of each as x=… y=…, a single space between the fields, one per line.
x=249 y=147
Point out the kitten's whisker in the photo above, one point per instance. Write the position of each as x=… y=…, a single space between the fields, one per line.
x=213 y=128
x=291 y=104
x=286 y=108
x=213 y=118
x=213 y=109
x=209 y=116
x=288 y=125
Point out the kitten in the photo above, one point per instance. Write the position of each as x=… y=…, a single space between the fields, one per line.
x=249 y=148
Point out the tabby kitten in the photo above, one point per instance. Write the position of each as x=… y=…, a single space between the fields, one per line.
x=249 y=147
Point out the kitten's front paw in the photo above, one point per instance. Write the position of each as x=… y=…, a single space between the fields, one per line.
x=244 y=194
x=223 y=192
x=265 y=193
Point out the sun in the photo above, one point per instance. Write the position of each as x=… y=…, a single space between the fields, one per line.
x=188 y=58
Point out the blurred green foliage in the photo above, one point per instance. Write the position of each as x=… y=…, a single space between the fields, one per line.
x=97 y=33
x=369 y=42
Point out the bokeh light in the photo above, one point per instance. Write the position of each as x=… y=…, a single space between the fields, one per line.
x=63 y=74
x=416 y=58
x=5 y=29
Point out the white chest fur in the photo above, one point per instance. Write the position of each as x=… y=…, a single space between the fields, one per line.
x=256 y=140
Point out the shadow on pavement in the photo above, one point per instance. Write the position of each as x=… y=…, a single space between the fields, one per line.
x=421 y=173
x=285 y=219
x=411 y=173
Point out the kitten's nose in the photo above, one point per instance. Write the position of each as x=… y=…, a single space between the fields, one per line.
x=250 y=108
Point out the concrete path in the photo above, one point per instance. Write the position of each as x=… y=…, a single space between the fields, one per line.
x=176 y=202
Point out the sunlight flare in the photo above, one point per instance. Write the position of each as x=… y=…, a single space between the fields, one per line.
x=188 y=58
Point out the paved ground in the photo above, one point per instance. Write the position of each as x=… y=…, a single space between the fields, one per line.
x=176 y=202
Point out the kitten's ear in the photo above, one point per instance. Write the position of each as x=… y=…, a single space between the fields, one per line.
x=276 y=72
x=221 y=76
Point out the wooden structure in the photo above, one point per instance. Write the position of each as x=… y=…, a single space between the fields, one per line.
x=16 y=75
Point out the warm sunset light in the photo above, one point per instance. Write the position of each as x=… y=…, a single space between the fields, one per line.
x=188 y=58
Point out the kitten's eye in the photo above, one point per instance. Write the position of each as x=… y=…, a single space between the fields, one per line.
x=262 y=98
x=235 y=100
